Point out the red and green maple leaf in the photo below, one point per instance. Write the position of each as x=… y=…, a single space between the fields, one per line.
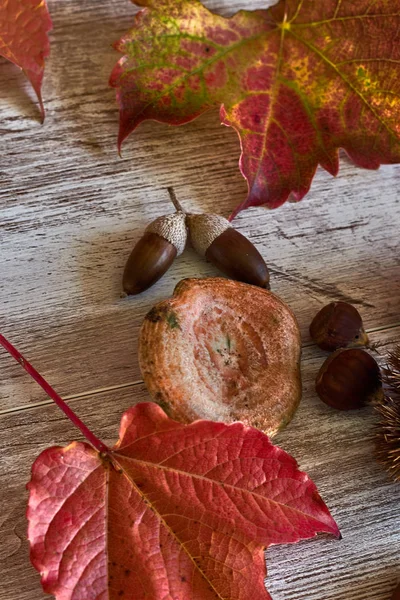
x=172 y=512
x=24 y=25
x=297 y=81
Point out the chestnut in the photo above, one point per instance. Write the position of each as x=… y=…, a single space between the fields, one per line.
x=338 y=325
x=349 y=379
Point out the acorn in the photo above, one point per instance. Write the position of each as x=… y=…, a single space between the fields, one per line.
x=164 y=239
x=338 y=325
x=231 y=252
x=349 y=379
x=396 y=593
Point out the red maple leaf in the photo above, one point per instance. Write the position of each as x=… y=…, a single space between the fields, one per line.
x=24 y=25
x=172 y=512
x=297 y=81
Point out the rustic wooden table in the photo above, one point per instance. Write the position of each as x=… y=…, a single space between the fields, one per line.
x=70 y=211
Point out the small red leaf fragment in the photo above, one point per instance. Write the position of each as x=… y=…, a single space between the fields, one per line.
x=297 y=81
x=180 y=511
x=24 y=25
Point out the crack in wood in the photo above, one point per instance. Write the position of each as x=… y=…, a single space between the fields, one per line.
x=330 y=290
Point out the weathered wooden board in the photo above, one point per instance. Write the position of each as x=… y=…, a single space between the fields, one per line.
x=335 y=448
x=70 y=211
x=61 y=272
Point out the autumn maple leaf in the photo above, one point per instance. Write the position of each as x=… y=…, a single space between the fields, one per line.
x=297 y=81
x=172 y=512
x=24 y=25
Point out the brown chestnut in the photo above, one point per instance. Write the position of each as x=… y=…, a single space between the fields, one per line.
x=338 y=325
x=349 y=379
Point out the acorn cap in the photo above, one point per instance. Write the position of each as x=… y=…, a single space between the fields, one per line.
x=172 y=228
x=204 y=229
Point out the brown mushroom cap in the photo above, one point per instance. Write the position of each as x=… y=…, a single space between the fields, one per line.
x=225 y=351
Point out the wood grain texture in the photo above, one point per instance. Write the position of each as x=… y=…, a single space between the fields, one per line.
x=335 y=448
x=70 y=212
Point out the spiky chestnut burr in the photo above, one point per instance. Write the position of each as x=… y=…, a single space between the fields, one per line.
x=387 y=440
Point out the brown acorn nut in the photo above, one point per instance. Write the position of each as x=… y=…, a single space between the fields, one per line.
x=231 y=252
x=396 y=593
x=349 y=379
x=164 y=240
x=338 y=325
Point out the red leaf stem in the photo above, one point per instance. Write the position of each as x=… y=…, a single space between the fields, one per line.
x=94 y=440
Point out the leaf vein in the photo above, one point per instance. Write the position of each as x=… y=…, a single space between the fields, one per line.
x=346 y=80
